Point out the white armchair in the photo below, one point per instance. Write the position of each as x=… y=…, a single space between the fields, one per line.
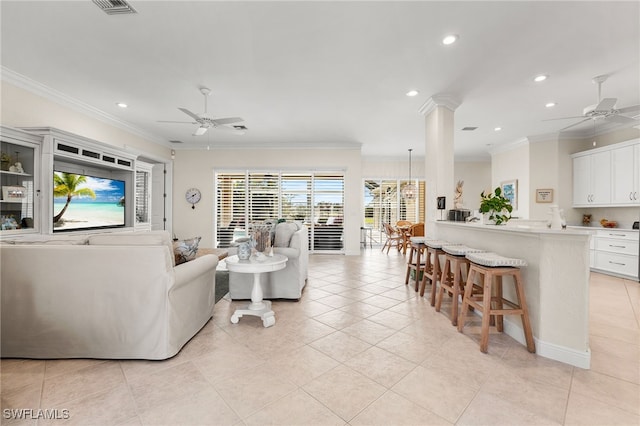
x=286 y=283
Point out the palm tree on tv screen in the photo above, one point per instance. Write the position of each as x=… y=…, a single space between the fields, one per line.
x=66 y=185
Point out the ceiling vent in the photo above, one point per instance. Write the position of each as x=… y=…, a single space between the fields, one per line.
x=176 y=141
x=240 y=127
x=115 y=7
x=469 y=129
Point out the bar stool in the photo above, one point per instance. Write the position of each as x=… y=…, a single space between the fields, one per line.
x=493 y=268
x=454 y=276
x=432 y=266
x=416 y=247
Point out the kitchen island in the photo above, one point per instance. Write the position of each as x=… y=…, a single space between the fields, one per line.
x=556 y=282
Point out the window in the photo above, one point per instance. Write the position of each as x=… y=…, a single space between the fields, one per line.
x=143 y=195
x=383 y=202
x=313 y=198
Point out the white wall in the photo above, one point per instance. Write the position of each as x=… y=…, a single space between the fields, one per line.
x=477 y=178
x=196 y=168
x=513 y=164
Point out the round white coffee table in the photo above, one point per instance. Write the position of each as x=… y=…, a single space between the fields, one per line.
x=257 y=307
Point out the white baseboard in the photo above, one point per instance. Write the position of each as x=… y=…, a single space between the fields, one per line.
x=581 y=359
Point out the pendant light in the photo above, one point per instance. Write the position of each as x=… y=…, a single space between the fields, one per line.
x=409 y=191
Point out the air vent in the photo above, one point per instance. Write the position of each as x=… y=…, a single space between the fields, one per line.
x=124 y=163
x=108 y=159
x=91 y=154
x=115 y=7
x=469 y=129
x=176 y=141
x=67 y=148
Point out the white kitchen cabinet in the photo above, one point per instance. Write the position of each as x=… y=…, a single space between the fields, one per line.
x=625 y=174
x=592 y=179
x=616 y=252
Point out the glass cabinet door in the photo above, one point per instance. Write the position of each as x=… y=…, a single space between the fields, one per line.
x=18 y=212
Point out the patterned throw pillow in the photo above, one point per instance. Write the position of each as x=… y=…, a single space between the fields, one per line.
x=186 y=250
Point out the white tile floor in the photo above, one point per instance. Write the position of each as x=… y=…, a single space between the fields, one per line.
x=359 y=348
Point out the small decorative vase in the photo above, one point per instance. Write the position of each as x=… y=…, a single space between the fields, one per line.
x=244 y=251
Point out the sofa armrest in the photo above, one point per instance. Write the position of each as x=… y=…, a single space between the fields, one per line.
x=291 y=253
x=189 y=271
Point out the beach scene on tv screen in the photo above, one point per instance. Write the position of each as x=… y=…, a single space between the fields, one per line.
x=81 y=201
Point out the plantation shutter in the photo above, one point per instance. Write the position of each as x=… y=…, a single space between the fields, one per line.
x=231 y=207
x=315 y=199
x=328 y=211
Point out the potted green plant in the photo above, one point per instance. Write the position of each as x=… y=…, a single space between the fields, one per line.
x=5 y=161
x=496 y=206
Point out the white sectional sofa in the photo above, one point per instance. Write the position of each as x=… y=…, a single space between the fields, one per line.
x=286 y=283
x=111 y=295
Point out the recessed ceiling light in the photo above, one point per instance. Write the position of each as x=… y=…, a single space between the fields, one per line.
x=550 y=104
x=497 y=129
x=412 y=93
x=122 y=104
x=450 y=39
x=540 y=78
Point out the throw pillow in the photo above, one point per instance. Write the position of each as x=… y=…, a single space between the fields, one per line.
x=284 y=232
x=186 y=250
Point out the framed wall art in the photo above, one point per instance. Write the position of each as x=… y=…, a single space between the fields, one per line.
x=544 y=195
x=510 y=192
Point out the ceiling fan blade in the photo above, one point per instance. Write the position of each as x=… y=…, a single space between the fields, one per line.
x=575 y=124
x=181 y=122
x=229 y=120
x=229 y=130
x=200 y=131
x=564 y=118
x=606 y=104
x=620 y=119
x=632 y=108
x=190 y=114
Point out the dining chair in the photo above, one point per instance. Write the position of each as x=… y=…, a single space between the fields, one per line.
x=394 y=238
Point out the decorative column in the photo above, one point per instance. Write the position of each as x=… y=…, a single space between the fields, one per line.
x=439 y=160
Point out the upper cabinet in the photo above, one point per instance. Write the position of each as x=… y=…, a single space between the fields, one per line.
x=625 y=171
x=592 y=179
x=608 y=176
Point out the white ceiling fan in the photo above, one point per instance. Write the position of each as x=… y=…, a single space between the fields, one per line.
x=206 y=121
x=605 y=109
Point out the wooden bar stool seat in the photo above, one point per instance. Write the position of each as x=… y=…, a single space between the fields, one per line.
x=432 y=269
x=454 y=276
x=493 y=267
x=416 y=261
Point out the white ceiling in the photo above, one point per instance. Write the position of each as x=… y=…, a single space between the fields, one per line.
x=331 y=73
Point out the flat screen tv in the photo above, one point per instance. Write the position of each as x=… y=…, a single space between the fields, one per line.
x=82 y=202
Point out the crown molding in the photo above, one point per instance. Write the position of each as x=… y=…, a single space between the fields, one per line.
x=510 y=146
x=268 y=145
x=443 y=99
x=62 y=99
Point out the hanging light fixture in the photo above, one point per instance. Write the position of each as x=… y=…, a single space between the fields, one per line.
x=409 y=191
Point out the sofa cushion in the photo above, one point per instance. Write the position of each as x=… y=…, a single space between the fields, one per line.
x=186 y=250
x=284 y=232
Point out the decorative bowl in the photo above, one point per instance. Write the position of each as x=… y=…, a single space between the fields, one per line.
x=610 y=224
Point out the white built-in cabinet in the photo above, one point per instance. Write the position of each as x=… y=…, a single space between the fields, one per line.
x=608 y=176
x=625 y=171
x=616 y=252
x=592 y=179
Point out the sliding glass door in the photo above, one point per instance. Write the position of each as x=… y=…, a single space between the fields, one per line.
x=383 y=202
x=315 y=199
